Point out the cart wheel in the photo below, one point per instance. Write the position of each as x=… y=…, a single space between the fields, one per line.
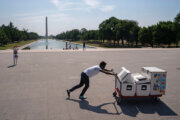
x=156 y=99
x=119 y=100
x=114 y=94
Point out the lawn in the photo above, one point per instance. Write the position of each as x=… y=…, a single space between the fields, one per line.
x=107 y=45
x=11 y=45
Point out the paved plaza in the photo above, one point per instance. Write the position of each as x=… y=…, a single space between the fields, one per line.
x=35 y=89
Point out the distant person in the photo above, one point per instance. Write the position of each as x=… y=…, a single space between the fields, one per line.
x=76 y=46
x=70 y=45
x=89 y=72
x=84 y=45
x=66 y=45
x=15 y=54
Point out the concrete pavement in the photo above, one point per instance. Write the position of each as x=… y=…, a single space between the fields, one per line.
x=35 y=89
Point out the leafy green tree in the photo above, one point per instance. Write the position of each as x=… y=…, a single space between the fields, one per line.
x=112 y=26
x=107 y=29
x=3 y=38
x=33 y=35
x=74 y=34
x=133 y=33
x=83 y=35
x=177 y=28
x=164 y=33
x=177 y=18
x=13 y=34
x=145 y=36
x=104 y=31
x=127 y=30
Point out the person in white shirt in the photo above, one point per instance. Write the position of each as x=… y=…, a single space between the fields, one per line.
x=86 y=74
x=15 y=54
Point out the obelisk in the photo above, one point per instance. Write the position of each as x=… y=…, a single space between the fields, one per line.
x=46 y=27
x=46 y=32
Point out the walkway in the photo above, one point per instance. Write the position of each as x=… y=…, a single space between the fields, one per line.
x=35 y=89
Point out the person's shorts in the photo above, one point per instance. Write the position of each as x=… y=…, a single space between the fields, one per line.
x=15 y=56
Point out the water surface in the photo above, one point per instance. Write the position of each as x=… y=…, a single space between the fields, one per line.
x=53 y=44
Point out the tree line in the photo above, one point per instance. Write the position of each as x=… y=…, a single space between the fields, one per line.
x=127 y=33
x=11 y=34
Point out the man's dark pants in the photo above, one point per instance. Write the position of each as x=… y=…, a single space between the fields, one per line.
x=84 y=80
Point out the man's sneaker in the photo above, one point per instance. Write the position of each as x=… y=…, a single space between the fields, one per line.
x=68 y=93
x=82 y=97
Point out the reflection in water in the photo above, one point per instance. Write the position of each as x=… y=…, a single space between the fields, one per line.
x=52 y=44
x=46 y=44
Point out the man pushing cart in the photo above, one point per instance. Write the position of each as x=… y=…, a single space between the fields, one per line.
x=86 y=74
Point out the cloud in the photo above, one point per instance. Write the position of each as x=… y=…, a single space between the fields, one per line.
x=99 y=5
x=107 y=8
x=92 y=3
x=61 y=4
x=66 y=5
x=56 y=2
x=86 y=5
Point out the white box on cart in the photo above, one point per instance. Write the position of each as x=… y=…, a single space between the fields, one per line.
x=127 y=86
x=128 y=89
x=142 y=89
x=157 y=77
x=142 y=85
x=125 y=76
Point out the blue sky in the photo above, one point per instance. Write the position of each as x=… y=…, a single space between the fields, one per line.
x=65 y=15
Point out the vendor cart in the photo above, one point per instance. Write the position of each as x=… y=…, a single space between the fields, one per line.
x=151 y=83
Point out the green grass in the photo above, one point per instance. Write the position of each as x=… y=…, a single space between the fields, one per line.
x=90 y=44
x=11 y=45
x=106 y=44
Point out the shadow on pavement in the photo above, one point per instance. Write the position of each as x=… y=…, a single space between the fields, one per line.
x=147 y=107
x=84 y=104
x=11 y=66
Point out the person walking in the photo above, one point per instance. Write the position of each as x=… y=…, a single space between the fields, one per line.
x=15 y=54
x=66 y=46
x=86 y=74
x=84 y=45
x=70 y=45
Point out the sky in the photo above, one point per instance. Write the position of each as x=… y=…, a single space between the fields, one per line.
x=66 y=15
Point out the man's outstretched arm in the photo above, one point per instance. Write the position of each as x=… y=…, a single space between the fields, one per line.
x=108 y=72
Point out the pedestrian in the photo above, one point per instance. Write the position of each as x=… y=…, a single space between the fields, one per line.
x=15 y=54
x=76 y=46
x=86 y=74
x=66 y=46
x=70 y=45
x=84 y=45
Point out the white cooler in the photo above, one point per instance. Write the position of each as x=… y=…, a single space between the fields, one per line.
x=128 y=89
x=142 y=85
x=142 y=89
x=157 y=77
x=128 y=85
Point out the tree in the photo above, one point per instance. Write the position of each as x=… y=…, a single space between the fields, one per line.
x=74 y=35
x=134 y=33
x=177 y=18
x=107 y=29
x=145 y=36
x=3 y=38
x=112 y=26
x=127 y=30
x=177 y=28
x=164 y=33
x=33 y=35
x=13 y=34
x=104 y=31
x=83 y=35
